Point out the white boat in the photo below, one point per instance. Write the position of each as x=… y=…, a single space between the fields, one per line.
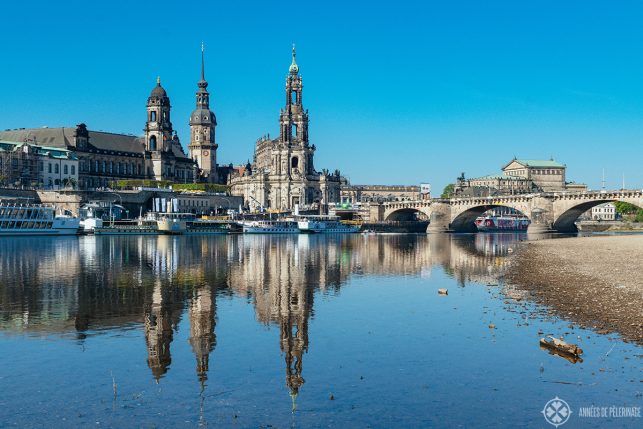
x=170 y=222
x=270 y=227
x=320 y=224
x=35 y=219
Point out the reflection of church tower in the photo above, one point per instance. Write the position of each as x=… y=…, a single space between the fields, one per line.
x=202 y=321
x=158 y=333
x=294 y=334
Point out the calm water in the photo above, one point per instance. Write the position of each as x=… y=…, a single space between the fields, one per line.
x=300 y=331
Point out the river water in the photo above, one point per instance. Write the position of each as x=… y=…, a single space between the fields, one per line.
x=290 y=331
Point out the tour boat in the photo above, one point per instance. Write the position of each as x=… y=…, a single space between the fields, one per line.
x=205 y=226
x=171 y=222
x=323 y=224
x=270 y=227
x=140 y=227
x=502 y=223
x=35 y=219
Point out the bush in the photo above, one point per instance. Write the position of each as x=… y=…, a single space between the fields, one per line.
x=205 y=187
x=128 y=184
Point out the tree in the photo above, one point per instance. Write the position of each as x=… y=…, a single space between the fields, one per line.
x=625 y=208
x=448 y=191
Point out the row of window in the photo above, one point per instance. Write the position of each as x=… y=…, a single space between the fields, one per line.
x=55 y=168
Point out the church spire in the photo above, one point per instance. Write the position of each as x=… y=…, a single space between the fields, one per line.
x=202 y=62
x=203 y=83
x=294 y=68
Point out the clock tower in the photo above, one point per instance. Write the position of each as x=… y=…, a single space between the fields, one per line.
x=203 y=147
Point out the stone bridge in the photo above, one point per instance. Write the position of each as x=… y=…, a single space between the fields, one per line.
x=547 y=211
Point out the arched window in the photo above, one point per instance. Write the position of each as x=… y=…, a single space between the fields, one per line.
x=294 y=162
x=152 y=116
x=153 y=143
x=294 y=130
x=65 y=169
x=294 y=97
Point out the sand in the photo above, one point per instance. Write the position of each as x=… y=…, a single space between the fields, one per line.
x=595 y=281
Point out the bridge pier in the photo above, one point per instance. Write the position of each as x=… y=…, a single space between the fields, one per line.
x=539 y=228
x=440 y=219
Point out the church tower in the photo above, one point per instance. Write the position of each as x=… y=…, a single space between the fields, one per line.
x=158 y=128
x=293 y=118
x=203 y=148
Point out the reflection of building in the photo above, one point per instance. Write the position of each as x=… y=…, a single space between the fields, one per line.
x=519 y=176
x=283 y=174
x=202 y=321
x=159 y=320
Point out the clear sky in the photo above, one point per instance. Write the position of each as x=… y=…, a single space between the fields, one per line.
x=398 y=92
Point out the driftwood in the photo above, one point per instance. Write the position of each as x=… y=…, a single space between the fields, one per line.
x=561 y=346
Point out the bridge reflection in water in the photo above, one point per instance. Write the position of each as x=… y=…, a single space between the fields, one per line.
x=79 y=287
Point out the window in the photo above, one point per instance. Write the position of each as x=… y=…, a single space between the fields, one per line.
x=153 y=143
x=73 y=170
x=118 y=168
x=111 y=167
x=49 y=168
x=152 y=116
x=40 y=165
x=294 y=162
x=294 y=130
x=56 y=169
x=66 y=169
x=104 y=167
x=293 y=95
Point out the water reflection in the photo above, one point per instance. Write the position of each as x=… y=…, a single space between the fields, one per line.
x=81 y=287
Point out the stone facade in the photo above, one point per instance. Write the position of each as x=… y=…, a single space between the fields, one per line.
x=283 y=174
x=519 y=176
x=352 y=194
x=26 y=164
x=104 y=157
x=605 y=211
x=203 y=147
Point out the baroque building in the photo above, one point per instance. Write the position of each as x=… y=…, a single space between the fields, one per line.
x=104 y=157
x=203 y=147
x=282 y=174
x=520 y=176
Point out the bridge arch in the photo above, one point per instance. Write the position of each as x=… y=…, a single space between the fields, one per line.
x=465 y=221
x=566 y=221
x=406 y=214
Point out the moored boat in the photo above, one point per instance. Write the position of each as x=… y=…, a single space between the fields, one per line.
x=270 y=227
x=35 y=219
x=323 y=224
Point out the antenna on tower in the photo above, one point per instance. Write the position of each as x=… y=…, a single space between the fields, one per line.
x=623 y=184
x=603 y=186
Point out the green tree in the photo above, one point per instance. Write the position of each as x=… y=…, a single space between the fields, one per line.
x=626 y=208
x=448 y=191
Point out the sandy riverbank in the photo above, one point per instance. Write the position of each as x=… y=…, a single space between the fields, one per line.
x=596 y=281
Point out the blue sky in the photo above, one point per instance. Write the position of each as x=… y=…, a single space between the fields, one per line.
x=398 y=92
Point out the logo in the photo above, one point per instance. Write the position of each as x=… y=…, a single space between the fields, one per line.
x=557 y=412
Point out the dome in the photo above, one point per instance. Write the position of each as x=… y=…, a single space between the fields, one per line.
x=158 y=90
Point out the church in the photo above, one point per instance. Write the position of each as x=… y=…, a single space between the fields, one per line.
x=282 y=174
x=157 y=155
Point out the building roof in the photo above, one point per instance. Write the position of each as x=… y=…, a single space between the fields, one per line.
x=51 y=152
x=536 y=163
x=498 y=177
x=63 y=138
